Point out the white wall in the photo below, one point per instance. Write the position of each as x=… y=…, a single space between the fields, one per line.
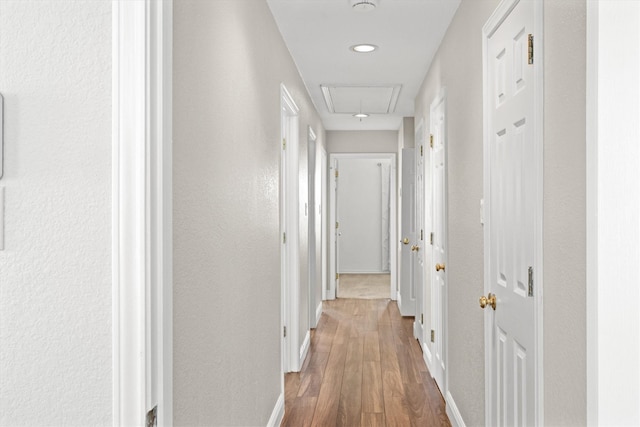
x=613 y=203
x=375 y=141
x=55 y=270
x=360 y=215
x=229 y=61
x=458 y=67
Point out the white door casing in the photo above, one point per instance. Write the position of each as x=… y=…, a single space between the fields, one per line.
x=418 y=248
x=406 y=298
x=334 y=210
x=290 y=271
x=324 y=221
x=314 y=225
x=142 y=213
x=513 y=205
x=439 y=250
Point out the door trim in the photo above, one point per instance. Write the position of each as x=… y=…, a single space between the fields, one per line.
x=499 y=15
x=289 y=223
x=142 y=211
x=393 y=248
x=312 y=140
x=441 y=97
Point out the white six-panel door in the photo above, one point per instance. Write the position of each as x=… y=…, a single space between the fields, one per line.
x=406 y=296
x=418 y=247
x=439 y=252
x=511 y=202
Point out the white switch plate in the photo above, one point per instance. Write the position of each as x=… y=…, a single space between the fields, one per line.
x=1 y=218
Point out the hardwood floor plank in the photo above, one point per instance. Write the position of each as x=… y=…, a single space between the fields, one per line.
x=372 y=400
x=364 y=368
x=349 y=407
x=372 y=420
x=371 y=347
x=301 y=412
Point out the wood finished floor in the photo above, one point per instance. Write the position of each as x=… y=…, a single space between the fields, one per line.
x=364 y=368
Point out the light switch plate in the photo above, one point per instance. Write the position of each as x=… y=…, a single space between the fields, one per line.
x=1 y=136
x=1 y=218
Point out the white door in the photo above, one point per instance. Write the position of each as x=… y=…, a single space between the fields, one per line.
x=406 y=298
x=510 y=229
x=439 y=251
x=418 y=247
x=336 y=228
x=313 y=225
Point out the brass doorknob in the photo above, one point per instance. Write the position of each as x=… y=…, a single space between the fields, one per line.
x=415 y=248
x=405 y=240
x=440 y=267
x=488 y=300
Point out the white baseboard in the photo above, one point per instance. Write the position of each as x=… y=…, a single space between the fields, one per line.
x=278 y=413
x=453 y=413
x=318 y=313
x=426 y=355
x=304 y=349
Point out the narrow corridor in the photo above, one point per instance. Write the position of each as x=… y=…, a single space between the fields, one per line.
x=363 y=368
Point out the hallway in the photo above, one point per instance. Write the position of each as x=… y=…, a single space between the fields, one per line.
x=363 y=368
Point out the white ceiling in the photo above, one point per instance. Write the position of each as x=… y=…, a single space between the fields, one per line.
x=319 y=33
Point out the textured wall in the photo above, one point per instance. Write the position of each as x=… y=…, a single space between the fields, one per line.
x=356 y=141
x=55 y=271
x=565 y=213
x=458 y=67
x=229 y=61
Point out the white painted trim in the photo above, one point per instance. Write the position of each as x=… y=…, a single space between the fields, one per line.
x=499 y=15
x=613 y=206
x=427 y=356
x=129 y=213
x=278 y=412
x=291 y=271
x=304 y=349
x=453 y=412
x=324 y=165
x=142 y=211
x=393 y=229
x=313 y=224
x=318 y=312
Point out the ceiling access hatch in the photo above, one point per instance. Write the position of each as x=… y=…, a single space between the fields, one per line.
x=361 y=99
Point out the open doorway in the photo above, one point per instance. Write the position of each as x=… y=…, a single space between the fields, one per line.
x=363 y=207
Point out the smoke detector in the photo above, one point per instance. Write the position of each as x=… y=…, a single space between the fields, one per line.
x=363 y=5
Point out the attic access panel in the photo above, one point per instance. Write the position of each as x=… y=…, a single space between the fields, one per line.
x=366 y=99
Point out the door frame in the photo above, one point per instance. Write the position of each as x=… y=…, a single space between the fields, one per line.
x=440 y=98
x=142 y=211
x=332 y=293
x=611 y=248
x=499 y=15
x=312 y=141
x=324 y=169
x=289 y=233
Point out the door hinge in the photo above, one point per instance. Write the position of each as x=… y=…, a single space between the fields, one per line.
x=431 y=239
x=530 y=281
x=337 y=173
x=152 y=417
x=421 y=234
x=337 y=276
x=337 y=224
x=431 y=141
x=433 y=336
x=421 y=150
x=284 y=237
x=530 y=49
x=284 y=331
x=284 y=143
x=422 y=318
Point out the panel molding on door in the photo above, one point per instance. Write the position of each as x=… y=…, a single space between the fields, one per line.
x=513 y=214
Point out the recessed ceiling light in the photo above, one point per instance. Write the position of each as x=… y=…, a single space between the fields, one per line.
x=364 y=48
x=361 y=115
x=363 y=5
